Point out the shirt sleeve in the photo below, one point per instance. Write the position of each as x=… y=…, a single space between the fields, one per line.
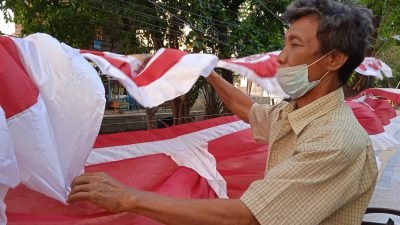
x=260 y=120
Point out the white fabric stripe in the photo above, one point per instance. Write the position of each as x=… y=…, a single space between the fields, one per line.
x=180 y=144
x=9 y=174
x=188 y=150
x=36 y=151
x=53 y=138
x=179 y=79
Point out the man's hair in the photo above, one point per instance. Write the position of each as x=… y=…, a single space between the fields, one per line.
x=344 y=26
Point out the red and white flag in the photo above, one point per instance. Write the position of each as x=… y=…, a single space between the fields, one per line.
x=187 y=161
x=53 y=103
x=169 y=74
x=260 y=69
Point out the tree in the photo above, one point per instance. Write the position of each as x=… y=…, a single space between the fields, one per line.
x=384 y=47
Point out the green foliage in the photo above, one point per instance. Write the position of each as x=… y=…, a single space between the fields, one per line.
x=391 y=57
x=386 y=48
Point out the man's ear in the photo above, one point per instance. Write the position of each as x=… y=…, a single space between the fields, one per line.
x=336 y=60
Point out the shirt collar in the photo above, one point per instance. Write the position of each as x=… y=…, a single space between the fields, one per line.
x=301 y=117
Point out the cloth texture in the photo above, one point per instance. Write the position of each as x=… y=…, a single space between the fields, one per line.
x=321 y=166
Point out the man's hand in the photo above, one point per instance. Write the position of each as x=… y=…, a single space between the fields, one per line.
x=103 y=191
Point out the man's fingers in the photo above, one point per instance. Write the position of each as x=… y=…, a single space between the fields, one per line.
x=79 y=180
x=79 y=196
x=80 y=188
x=87 y=178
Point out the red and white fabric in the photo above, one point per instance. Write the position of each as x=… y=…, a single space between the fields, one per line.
x=9 y=176
x=374 y=67
x=149 y=160
x=260 y=68
x=379 y=119
x=391 y=94
x=54 y=103
x=169 y=74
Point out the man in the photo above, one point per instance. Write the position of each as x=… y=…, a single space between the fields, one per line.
x=321 y=167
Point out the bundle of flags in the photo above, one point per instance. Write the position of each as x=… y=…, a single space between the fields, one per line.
x=51 y=107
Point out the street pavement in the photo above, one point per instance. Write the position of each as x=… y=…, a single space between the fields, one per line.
x=387 y=191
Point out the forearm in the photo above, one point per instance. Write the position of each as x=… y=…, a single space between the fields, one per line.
x=237 y=101
x=173 y=211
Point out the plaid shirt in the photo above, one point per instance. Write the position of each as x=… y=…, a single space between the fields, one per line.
x=321 y=167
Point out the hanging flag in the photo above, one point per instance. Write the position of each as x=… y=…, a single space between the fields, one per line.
x=173 y=72
x=169 y=74
x=260 y=68
x=374 y=67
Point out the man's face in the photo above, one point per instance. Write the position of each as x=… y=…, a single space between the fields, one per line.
x=303 y=47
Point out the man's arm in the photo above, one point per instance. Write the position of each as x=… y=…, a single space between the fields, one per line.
x=237 y=101
x=113 y=196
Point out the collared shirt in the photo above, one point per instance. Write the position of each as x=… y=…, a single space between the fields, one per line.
x=321 y=167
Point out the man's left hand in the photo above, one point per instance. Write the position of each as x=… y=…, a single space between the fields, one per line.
x=103 y=191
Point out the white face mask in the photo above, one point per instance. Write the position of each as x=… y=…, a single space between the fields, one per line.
x=294 y=80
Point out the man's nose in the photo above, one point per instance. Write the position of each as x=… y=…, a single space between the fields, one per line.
x=282 y=58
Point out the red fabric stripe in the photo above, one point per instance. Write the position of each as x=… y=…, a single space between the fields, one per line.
x=159 y=67
x=135 y=137
x=383 y=109
x=92 y=52
x=266 y=68
x=367 y=118
x=25 y=206
x=240 y=160
x=17 y=90
x=385 y=94
x=120 y=64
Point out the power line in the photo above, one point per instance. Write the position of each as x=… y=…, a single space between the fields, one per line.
x=276 y=16
x=194 y=28
x=146 y=16
x=191 y=13
x=135 y=12
x=149 y=24
x=202 y=30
